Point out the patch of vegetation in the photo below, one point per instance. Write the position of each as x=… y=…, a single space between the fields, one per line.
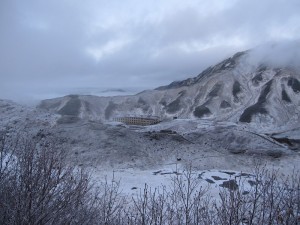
x=274 y=153
x=250 y=111
x=294 y=84
x=201 y=111
x=257 y=107
x=263 y=96
x=236 y=88
x=72 y=107
x=285 y=96
x=215 y=90
x=224 y=104
x=174 y=106
x=168 y=131
x=284 y=141
x=66 y=119
x=257 y=79
x=237 y=151
x=37 y=186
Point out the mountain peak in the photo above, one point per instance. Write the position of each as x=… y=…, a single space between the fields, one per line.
x=240 y=89
x=226 y=64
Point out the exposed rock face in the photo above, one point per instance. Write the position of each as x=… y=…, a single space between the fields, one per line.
x=236 y=90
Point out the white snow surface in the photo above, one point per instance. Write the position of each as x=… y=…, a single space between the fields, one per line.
x=133 y=181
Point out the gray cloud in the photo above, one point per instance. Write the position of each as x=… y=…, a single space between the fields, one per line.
x=285 y=54
x=62 y=44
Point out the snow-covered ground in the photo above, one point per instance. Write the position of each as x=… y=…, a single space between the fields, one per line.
x=133 y=181
x=154 y=155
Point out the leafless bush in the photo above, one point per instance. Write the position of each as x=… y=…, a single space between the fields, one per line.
x=36 y=187
x=111 y=203
x=272 y=200
x=183 y=202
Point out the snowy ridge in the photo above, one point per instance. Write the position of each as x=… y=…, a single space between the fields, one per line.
x=237 y=90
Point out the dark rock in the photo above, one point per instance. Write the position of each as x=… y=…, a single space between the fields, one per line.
x=231 y=184
x=229 y=173
x=218 y=178
x=201 y=111
x=210 y=181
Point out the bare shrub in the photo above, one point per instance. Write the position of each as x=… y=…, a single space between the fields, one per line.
x=272 y=200
x=183 y=202
x=111 y=203
x=37 y=187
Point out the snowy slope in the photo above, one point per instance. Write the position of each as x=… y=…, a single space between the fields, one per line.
x=239 y=89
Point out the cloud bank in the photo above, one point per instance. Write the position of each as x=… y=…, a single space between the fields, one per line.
x=62 y=44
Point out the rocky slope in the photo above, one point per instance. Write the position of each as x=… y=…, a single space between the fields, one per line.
x=237 y=89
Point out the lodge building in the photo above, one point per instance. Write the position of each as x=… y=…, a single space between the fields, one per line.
x=141 y=121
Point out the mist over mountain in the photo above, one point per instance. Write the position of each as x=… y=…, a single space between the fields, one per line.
x=233 y=116
x=134 y=112
x=259 y=87
x=277 y=54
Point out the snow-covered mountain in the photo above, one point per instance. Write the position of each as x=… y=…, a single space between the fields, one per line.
x=230 y=115
x=238 y=89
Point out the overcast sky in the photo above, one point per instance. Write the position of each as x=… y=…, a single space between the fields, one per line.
x=50 y=45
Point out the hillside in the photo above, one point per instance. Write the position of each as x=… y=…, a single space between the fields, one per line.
x=232 y=116
x=236 y=90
